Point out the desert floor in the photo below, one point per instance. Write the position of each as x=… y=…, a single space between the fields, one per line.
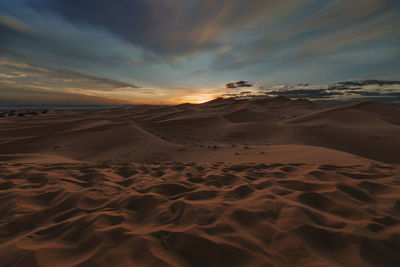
x=273 y=182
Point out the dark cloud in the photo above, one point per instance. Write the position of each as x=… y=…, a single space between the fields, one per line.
x=238 y=84
x=350 y=84
x=243 y=84
x=245 y=93
x=230 y=86
x=373 y=90
x=387 y=92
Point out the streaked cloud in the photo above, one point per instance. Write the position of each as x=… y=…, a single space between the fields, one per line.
x=14 y=24
x=167 y=45
x=18 y=78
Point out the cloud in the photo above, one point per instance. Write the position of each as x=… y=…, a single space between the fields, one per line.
x=338 y=14
x=16 y=96
x=238 y=84
x=14 y=24
x=58 y=78
x=19 y=80
x=161 y=44
x=327 y=29
x=171 y=27
x=377 y=90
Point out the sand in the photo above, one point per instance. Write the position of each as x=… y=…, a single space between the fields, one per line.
x=271 y=182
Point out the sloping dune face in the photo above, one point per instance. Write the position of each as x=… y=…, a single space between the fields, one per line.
x=177 y=214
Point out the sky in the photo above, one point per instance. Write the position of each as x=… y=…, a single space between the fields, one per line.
x=175 y=51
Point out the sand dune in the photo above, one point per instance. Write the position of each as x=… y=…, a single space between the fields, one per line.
x=272 y=182
x=147 y=132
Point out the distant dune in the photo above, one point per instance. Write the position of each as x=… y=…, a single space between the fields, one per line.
x=268 y=182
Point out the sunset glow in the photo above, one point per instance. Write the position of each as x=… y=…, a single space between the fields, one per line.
x=139 y=51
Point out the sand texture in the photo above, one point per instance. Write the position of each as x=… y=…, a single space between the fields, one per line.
x=271 y=182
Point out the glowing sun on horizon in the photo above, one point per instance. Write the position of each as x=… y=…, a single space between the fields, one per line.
x=197 y=99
